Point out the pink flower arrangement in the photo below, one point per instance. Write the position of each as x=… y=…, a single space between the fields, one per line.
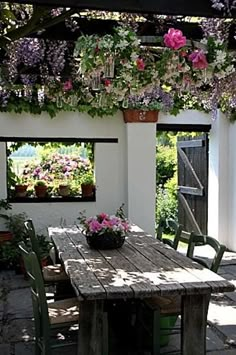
x=104 y=223
x=174 y=39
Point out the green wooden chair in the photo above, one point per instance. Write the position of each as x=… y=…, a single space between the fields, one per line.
x=178 y=233
x=51 y=273
x=203 y=240
x=48 y=317
x=51 y=318
x=160 y=228
x=166 y=310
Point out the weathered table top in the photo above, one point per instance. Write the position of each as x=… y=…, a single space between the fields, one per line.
x=143 y=267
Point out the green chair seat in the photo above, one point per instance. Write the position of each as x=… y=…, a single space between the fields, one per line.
x=51 y=316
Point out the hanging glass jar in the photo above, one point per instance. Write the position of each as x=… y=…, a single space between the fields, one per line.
x=125 y=103
x=73 y=100
x=102 y=100
x=59 y=102
x=96 y=81
x=109 y=69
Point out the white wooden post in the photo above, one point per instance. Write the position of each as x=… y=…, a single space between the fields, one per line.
x=218 y=185
x=141 y=174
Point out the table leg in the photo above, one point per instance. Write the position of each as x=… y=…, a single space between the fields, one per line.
x=193 y=324
x=91 y=332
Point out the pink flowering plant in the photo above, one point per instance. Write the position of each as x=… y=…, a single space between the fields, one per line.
x=106 y=73
x=152 y=78
x=116 y=225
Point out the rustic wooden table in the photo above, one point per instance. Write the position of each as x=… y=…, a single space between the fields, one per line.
x=142 y=268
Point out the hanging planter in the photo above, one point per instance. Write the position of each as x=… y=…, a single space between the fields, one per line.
x=134 y=116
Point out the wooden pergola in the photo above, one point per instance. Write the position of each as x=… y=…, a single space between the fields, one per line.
x=200 y=8
x=179 y=8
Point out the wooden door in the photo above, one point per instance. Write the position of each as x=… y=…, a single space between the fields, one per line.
x=193 y=182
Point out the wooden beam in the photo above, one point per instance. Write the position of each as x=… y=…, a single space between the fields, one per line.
x=200 y=8
x=147 y=30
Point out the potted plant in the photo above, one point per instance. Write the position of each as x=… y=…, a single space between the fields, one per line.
x=64 y=189
x=5 y=235
x=20 y=188
x=105 y=231
x=9 y=253
x=87 y=184
x=144 y=107
x=40 y=188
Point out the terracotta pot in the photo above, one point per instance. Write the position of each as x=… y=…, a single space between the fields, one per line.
x=20 y=190
x=87 y=190
x=64 y=190
x=133 y=116
x=40 y=191
x=5 y=236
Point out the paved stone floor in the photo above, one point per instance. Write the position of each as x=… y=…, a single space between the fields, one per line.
x=16 y=324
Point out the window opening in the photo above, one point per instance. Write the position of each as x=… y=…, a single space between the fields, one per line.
x=50 y=171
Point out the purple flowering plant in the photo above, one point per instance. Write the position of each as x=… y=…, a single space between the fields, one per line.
x=101 y=74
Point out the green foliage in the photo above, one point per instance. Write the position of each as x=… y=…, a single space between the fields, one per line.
x=166 y=202
x=4 y=204
x=166 y=158
x=44 y=245
x=87 y=179
x=40 y=183
x=166 y=170
x=9 y=251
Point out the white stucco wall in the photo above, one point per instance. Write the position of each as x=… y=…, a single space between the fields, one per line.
x=231 y=186
x=110 y=165
x=125 y=171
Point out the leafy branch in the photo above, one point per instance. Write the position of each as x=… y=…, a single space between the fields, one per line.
x=35 y=23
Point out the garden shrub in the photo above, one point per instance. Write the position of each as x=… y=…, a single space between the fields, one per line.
x=166 y=163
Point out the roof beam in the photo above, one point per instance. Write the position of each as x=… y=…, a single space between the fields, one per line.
x=146 y=29
x=200 y=8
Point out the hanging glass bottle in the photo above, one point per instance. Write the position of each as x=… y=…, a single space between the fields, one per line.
x=109 y=70
x=125 y=103
x=96 y=81
x=59 y=101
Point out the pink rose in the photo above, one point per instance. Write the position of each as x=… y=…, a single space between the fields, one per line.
x=67 y=85
x=198 y=59
x=140 y=64
x=174 y=39
x=103 y=215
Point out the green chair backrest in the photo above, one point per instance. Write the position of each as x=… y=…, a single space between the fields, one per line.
x=160 y=228
x=38 y=295
x=200 y=240
x=24 y=250
x=30 y=231
x=177 y=228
